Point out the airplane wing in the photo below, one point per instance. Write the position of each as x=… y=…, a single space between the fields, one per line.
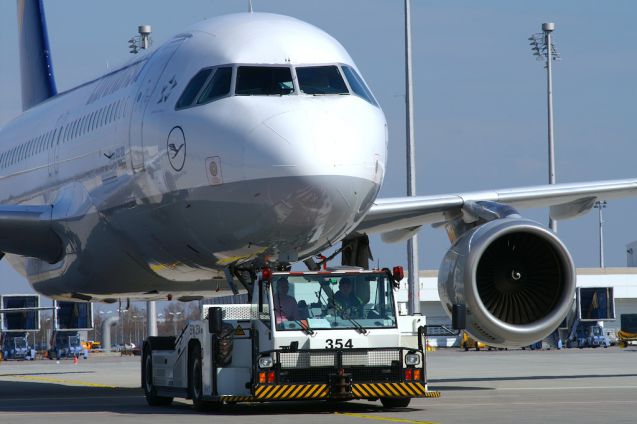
x=399 y=218
x=28 y=231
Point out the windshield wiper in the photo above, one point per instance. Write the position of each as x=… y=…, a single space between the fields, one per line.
x=305 y=327
x=359 y=328
x=356 y=324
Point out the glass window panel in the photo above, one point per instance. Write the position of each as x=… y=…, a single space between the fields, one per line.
x=218 y=86
x=193 y=88
x=263 y=81
x=320 y=80
x=358 y=85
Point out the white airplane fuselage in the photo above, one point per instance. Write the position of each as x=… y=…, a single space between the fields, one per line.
x=156 y=199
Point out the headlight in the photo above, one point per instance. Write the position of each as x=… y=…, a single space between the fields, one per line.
x=265 y=362
x=412 y=359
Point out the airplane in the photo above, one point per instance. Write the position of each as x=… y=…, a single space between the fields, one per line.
x=246 y=141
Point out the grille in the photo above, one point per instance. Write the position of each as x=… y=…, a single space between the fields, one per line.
x=360 y=374
x=309 y=375
x=363 y=374
x=320 y=366
x=307 y=359
x=371 y=358
x=245 y=312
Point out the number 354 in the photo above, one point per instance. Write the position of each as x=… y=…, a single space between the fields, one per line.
x=338 y=343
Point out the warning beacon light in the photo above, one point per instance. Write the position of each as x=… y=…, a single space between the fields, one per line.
x=398 y=273
x=266 y=274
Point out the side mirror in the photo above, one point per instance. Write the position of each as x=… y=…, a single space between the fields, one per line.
x=215 y=320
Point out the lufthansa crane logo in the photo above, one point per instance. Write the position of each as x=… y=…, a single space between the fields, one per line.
x=176 y=148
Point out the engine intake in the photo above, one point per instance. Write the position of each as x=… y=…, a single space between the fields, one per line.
x=515 y=277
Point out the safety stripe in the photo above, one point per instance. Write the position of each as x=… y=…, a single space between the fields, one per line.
x=399 y=387
x=357 y=392
x=237 y=398
x=367 y=391
x=408 y=389
x=304 y=390
x=316 y=392
x=296 y=391
x=291 y=391
x=389 y=386
x=263 y=391
x=382 y=389
x=418 y=388
x=277 y=391
x=285 y=393
x=404 y=389
x=310 y=393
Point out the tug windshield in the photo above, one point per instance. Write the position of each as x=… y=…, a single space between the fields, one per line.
x=347 y=301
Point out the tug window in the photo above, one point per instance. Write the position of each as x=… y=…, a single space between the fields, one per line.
x=263 y=81
x=218 y=86
x=320 y=80
x=193 y=88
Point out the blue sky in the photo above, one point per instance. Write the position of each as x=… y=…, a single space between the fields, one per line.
x=480 y=106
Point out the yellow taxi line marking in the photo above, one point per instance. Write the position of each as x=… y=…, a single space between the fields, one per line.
x=57 y=380
x=389 y=419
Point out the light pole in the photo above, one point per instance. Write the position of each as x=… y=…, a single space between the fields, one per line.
x=103 y=315
x=543 y=49
x=413 y=284
x=173 y=316
x=601 y=206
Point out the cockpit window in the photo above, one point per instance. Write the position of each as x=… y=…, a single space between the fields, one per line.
x=320 y=80
x=218 y=86
x=263 y=81
x=357 y=85
x=193 y=88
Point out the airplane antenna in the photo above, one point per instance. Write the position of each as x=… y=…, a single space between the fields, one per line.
x=250 y=6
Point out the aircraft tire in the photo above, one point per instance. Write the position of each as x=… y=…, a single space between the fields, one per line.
x=147 y=381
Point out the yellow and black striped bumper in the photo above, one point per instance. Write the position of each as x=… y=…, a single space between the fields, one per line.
x=291 y=392
x=267 y=393
x=391 y=390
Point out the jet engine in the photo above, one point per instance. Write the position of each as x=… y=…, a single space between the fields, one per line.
x=515 y=278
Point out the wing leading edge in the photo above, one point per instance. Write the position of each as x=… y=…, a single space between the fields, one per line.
x=398 y=218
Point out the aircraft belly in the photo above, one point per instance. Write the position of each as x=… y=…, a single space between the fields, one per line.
x=189 y=234
x=183 y=241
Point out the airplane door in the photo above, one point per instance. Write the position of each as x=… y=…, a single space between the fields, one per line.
x=150 y=76
x=54 y=149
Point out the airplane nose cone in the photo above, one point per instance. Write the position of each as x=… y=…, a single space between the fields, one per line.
x=326 y=161
x=323 y=137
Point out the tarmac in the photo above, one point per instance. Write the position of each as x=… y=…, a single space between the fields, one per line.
x=567 y=386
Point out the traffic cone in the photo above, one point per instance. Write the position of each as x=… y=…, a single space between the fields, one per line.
x=75 y=360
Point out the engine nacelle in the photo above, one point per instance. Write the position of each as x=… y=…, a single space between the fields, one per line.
x=515 y=277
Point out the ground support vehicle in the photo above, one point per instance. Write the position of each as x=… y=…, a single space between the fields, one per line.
x=589 y=334
x=469 y=342
x=67 y=344
x=624 y=338
x=297 y=340
x=16 y=346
